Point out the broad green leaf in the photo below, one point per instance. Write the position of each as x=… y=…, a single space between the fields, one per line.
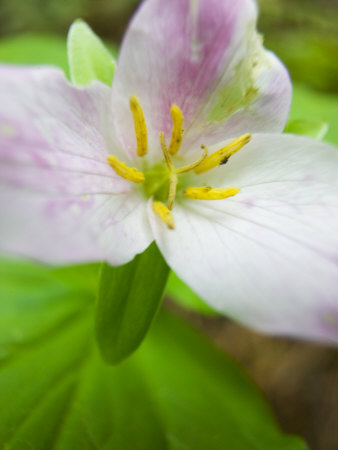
x=176 y=392
x=128 y=299
x=312 y=128
x=83 y=277
x=88 y=57
x=178 y=291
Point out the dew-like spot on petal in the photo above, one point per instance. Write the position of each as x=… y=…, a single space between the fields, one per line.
x=309 y=177
x=75 y=207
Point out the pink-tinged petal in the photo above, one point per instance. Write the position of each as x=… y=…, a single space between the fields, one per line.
x=206 y=57
x=263 y=107
x=60 y=201
x=268 y=256
x=112 y=228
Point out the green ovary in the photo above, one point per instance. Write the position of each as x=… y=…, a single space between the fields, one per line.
x=156 y=183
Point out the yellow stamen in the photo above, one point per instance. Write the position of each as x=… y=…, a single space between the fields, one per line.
x=222 y=155
x=129 y=173
x=172 y=190
x=193 y=165
x=166 y=152
x=164 y=213
x=177 y=132
x=140 y=126
x=208 y=193
x=173 y=176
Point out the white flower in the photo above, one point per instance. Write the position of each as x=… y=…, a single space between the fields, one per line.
x=255 y=237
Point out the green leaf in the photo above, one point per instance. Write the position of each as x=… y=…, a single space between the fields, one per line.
x=35 y=49
x=129 y=297
x=320 y=107
x=88 y=57
x=176 y=392
x=312 y=128
x=178 y=291
x=202 y=396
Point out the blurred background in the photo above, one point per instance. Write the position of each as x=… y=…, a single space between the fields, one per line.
x=300 y=379
x=302 y=32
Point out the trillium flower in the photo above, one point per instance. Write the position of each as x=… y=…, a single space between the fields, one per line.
x=184 y=149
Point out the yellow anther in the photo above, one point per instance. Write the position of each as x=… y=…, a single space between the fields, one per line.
x=140 y=126
x=222 y=155
x=129 y=173
x=177 y=132
x=164 y=213
x=193 y=165
x=208 y=193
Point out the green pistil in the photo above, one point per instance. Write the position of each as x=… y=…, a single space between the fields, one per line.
x=156 y=183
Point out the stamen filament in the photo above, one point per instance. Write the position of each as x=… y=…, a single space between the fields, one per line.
x=164 y=213
x=140 y=126
x=177 y=132
x=128 y=173
x=172 y=190
x=193 y=165
x=173 y=176
x=208 y=193
x=222 y=155
x=166 y=152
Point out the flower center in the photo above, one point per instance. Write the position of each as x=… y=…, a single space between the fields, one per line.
x=161 y=181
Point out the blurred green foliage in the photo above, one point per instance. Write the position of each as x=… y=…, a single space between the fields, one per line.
x=107 y=17
x=302 y=32
x=313 y=128
x=35 y=48
x=309 y=104
x=177 y=290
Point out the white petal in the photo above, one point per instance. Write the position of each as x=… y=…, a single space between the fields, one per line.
x=60 y=201
x=268 y=256
x=206 y=57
